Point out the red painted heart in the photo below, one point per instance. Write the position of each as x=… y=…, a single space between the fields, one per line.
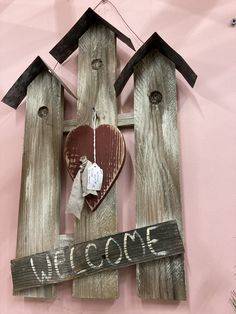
x=110 y=155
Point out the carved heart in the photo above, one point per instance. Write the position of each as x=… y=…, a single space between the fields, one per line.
x=110 y=155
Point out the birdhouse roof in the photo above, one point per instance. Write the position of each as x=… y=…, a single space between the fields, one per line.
x=19 y=89
x=69 y=43
x=155 y=42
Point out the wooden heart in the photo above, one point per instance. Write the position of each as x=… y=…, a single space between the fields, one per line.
x=110 y=155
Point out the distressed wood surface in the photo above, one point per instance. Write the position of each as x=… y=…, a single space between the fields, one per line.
x=111 y=252
x=124 y=120
x=96 y=76
x=157 y=169
x=65 y=240
x=38 y=221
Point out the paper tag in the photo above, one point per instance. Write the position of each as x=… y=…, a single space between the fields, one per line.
x=95 y=177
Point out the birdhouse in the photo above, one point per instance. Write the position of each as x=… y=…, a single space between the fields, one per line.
x=97 y=63
x=38 y=222
x=157 y=156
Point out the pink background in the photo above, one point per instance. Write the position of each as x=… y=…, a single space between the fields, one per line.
x=200 y=31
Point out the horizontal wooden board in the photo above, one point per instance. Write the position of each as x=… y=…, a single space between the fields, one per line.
x=124 y=120
x=110 y=252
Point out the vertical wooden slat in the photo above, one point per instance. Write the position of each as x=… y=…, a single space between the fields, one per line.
x=96 y=76
x=157 y=169
x=38 y=222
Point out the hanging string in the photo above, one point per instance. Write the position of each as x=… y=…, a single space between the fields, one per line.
x=94 y=134
x=55 y=66
x=120 y=15
x=102 y=1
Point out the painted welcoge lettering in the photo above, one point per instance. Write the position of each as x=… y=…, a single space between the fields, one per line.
x=111 y=252
x=120 y=252
x=44 y=277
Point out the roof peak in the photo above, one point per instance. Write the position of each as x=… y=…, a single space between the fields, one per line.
x=155 y=42
x=18 y=91
x=69 y=43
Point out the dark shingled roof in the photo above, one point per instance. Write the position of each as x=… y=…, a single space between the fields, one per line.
x=155 y=42
x=69 y=43
x=19 y=89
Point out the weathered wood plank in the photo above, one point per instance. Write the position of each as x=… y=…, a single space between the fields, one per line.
x=111 y=252
x=157 y=169
x=65 y=240
x=69 y=125
x=38 y=221
x=96 y=76
x=124 y=120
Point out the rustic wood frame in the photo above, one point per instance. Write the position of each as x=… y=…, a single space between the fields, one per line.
x=155 y=97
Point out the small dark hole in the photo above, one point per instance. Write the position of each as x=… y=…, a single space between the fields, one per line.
x=96 y=64
x=43 y=112
x=103 y=256
x=155 y=97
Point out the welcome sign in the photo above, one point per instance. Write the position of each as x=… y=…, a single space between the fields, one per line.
x=111 y=252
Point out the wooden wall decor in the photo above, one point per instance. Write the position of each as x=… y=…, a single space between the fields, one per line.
x=157 y=164
x=111 y=252
x=96 y=40
x=38 y=222
x=157 y=157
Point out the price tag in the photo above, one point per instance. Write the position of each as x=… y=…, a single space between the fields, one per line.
x=95 y=177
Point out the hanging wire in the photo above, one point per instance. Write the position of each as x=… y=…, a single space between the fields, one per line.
x=99 y=3
x=55 y=66
x=120 y=15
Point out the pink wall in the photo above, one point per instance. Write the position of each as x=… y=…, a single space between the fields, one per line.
x=200 y=31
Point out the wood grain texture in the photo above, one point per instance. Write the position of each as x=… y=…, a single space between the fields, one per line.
x=65 y=240
x=68 y=44
x=83 y=259
x=38 y=221
x=110 y=155
x=96 y=76
x=124 y=120
x=157 y=169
